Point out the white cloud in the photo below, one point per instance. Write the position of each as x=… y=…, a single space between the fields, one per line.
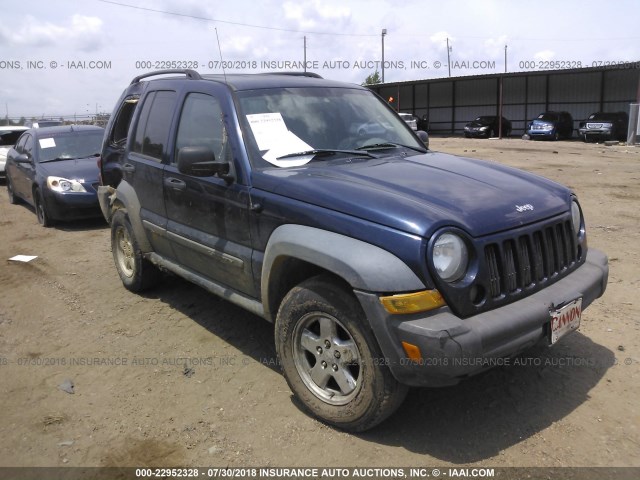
x=295 y=11
x=331 y=12
x=439 y=39
x=311 y=14
x=83 y=31
x=495 y=46
x=544 y=55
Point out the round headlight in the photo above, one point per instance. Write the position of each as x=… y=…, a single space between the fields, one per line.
x=576 y=217
x=450 y=257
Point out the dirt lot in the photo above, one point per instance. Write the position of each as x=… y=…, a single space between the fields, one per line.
x=178 y=377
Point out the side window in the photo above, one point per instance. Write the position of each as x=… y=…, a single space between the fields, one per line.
x=28 y=145
x=202 y=125
x=152 y=131
x=20 y=144
x=120 y=128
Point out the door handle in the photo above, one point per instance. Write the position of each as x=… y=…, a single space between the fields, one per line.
x=175 y=183
x=129 y=168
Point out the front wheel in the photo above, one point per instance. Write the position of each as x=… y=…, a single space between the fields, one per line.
x=137 y=273
x=330 y=358
x=41 y=210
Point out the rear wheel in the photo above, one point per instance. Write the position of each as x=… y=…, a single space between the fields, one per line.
x=137 y=274
x=330 y=358
x=41 y=209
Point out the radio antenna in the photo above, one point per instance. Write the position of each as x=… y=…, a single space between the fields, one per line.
x=221 y=61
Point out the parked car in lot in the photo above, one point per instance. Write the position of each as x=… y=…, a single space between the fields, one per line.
x=373 y=255
x=604 y=126
x=8 y=137
x=54 y=169
x=410 y=119
x=551 y=125
x=487 y=126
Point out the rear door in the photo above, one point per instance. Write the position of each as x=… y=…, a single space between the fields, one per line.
x=143 y=166
x=209 y=217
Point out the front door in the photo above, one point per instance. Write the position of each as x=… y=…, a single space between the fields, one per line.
x=208 y=217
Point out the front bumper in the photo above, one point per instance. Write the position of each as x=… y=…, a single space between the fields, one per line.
x=541 y=133
x=454 y=348
x=476 y=133
x=596 y=133
x=71 y=206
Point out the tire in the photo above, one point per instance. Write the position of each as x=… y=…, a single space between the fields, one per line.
x=13 y=200
x=330 y=358
x=137 y=274
x=41 y=210
x=556 y=136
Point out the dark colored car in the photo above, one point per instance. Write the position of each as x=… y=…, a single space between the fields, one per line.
x=604 y=126
x=551 y=125
x=382 y=264
x=54 y=169
x=487 y=126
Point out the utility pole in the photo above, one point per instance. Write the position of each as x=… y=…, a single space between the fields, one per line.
x=505 y=59
x=384 y=32
x=305 y=53
x=448 y=56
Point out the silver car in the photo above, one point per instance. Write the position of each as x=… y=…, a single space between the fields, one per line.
x=8 y=137
x=411 y=120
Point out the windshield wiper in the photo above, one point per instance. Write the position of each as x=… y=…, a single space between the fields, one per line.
x=59 y=159
x=326 y=151
x=380 y=146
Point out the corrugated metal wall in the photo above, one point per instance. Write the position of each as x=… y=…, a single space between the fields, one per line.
x=450 y=103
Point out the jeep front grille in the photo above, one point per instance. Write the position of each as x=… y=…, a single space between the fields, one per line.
x=531 y=259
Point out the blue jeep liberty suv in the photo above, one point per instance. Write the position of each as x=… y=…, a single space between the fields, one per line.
x=311 y=203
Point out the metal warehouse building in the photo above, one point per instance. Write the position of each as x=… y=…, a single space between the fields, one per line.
x=450 y=103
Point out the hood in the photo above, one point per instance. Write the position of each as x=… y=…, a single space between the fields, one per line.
x=422 y=193
x=83 y=169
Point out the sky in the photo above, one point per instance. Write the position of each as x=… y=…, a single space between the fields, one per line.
x=74 y=58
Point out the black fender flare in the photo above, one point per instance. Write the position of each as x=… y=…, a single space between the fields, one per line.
x=362 y=265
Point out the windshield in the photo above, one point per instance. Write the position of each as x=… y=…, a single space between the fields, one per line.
x=69 y=145
x=485 y=119
x=285 y=121
x=549 y=117
x=604 y=116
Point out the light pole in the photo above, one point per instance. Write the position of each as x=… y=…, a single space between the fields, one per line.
x=449 y=56
x=384 y=32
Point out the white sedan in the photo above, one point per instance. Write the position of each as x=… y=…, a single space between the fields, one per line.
x=8 y=137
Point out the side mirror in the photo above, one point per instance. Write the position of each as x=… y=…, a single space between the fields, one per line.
x=424 y=136
x=200 y=162
x=22 y=158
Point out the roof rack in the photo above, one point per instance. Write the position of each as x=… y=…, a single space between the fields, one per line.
x=191 y=74
x=295 y=74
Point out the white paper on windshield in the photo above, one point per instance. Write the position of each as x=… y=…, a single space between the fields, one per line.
x=271 y=134
x=47 y=143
